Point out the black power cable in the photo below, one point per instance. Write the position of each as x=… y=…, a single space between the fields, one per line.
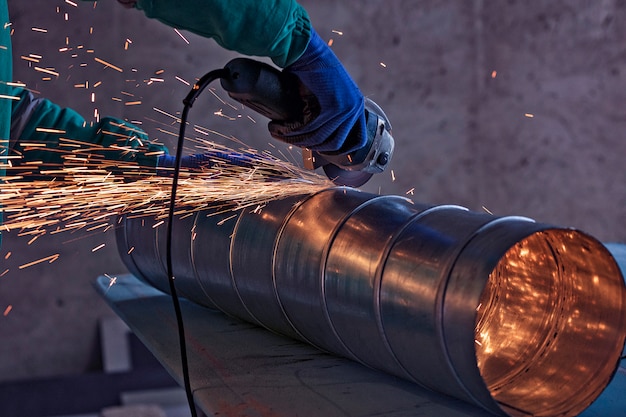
x=188 y=102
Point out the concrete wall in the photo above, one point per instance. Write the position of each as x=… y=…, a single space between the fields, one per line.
x=458 y=79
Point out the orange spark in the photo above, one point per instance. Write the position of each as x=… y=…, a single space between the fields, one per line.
x=182 y=81
x=48 y=259
x=181 y=35
x=98 y=247
x=27 y=58
x=47 y=71
x=107 y=64
x=47 y=130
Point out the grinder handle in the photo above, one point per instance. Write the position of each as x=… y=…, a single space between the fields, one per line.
x=264 y=89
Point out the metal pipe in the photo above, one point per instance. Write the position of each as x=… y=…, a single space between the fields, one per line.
x=518 y=317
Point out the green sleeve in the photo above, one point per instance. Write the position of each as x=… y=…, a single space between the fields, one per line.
x=5 y=94
x=57 y=131
x=278 y=29
x=5 y=77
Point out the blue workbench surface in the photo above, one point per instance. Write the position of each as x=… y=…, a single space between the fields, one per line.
x=240 y=369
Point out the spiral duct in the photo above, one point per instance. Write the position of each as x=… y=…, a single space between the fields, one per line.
x=518 y=317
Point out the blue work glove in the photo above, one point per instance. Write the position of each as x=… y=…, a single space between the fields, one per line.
x=166 y=163
x=333 y=104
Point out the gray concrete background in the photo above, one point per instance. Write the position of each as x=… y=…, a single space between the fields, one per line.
x=462 y=134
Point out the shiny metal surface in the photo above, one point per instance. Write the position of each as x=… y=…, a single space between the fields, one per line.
x=517 y=317
x=523 y=344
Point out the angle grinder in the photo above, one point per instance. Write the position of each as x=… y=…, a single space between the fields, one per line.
x=276 y=95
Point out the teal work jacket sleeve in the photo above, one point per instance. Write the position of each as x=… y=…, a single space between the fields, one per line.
x=278 y=29
x=6 y=75
x=57 y=131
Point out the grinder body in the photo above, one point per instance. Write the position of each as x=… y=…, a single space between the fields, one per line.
x=277 y=96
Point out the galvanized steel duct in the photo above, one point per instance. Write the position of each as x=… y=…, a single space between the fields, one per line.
x=518 y=317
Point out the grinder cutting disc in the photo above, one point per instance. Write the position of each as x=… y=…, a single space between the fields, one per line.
x=344 y=177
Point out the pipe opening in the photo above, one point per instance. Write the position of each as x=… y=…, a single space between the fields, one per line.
x=549 y=324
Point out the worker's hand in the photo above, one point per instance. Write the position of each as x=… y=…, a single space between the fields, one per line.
x=333 y=104
x=37 y=120
x=201 y=161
